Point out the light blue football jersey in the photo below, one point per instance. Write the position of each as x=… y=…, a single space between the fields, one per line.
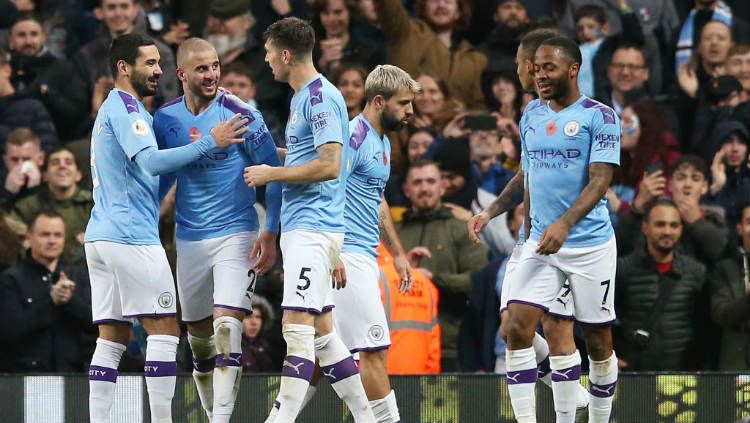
x=368 y=167
x=126 y=203
x=318 y=116
x=212 y=199
x=557 y=150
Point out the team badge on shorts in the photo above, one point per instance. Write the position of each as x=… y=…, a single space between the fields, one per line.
x=571 y=128
x=375 y=332
x=165 y=300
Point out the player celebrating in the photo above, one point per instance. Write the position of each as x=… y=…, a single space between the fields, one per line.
x=216 y=224
x=312 y=222
x=510 y=197
x=130 y=276
x=571 y=146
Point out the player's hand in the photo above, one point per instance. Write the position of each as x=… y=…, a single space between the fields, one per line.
x=263 y=255
x=476 y=224
x=229 y=131
x=338 y=276
x=414 y=256
x=553 y=238
x=404 y=273
x=258 y=175
x=652 y=186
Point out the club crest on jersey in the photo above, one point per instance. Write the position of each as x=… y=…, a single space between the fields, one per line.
x=571 y=128
x=551 y=128
x=194 y=133
x=165 y=299
x=139 y=127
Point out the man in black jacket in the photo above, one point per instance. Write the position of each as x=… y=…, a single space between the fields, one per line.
x=45 y=306
x=40 y=75
x=657 y=290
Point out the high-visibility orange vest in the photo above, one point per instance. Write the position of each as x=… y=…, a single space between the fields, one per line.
x=412 y=319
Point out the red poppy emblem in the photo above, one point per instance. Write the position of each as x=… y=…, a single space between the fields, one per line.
x=551 y=128
x=385 y=159
x=195 y=134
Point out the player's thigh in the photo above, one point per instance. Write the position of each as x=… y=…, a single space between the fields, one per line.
x=508 y=278
x=195 y=279
x=308 y=260
x=234 y=280
x=359 y=318
x=145 y=279
x=106 y=306
x=537 y=280
x=591 y=272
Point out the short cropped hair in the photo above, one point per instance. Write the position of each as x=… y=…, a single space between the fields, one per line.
x=238 y=68
x=191 y=45
x=21 y=136
x=46 y=212
x=661 y=201
x=738 y=48
x=592 y=11
x=530 y=41
x=420 y=163
x=691 y=160
x=125 y=47
x=291 y=34
x=568 y=46
x=386 y=80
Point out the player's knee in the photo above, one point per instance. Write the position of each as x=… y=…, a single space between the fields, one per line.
x=519 y=332
x=225 y=329
x=161 y=325
x=376 y=359
x=598 y=341
x=299 y=339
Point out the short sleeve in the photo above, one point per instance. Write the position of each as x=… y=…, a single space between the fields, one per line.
x=605 y=136
x=258 y=143
x=325 y=122
x=132 y=132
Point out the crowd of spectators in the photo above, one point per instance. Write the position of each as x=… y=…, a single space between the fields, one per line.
x=677 y=72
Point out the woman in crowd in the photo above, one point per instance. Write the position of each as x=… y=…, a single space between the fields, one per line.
x=350 y=80
x=256 y=353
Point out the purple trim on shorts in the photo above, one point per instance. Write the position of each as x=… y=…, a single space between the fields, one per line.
x=298 y=367
x=99 y=322
x=104 y=374
x=382 y=347
x=309 y=310
x=155 y=315
x=276 y=405
x=560 y=316
x=543 y=368
x=503 y=309
x=339 y=371
x=570 y=374
x=528 y=303
x=234 y=360
x=204 y=365
x=232 y=308
x=160 y=368
x=521 y=376
x=602 y=391
x=328 y=308
x=608 y=323
x=190 y=322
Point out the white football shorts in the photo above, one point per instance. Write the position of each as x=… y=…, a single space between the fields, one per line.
x=215 y=273
x=129 y=281
x=359 y=318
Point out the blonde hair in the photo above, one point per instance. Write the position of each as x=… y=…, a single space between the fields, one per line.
x=386 y=80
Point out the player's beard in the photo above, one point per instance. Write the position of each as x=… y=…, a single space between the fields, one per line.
x=390 y=121
x=140 y=83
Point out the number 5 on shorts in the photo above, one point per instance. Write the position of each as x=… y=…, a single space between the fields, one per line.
x=302 y=277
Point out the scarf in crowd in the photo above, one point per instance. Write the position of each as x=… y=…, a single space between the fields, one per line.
x=722 y=13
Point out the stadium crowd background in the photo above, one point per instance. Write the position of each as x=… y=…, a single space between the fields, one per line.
x=676 y=71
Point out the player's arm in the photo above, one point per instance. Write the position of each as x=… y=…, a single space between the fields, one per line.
x=510 y=197
x=323 y=168
x=390 y=239
x=158 y=162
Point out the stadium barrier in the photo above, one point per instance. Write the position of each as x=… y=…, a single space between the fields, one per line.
x=449 y=398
